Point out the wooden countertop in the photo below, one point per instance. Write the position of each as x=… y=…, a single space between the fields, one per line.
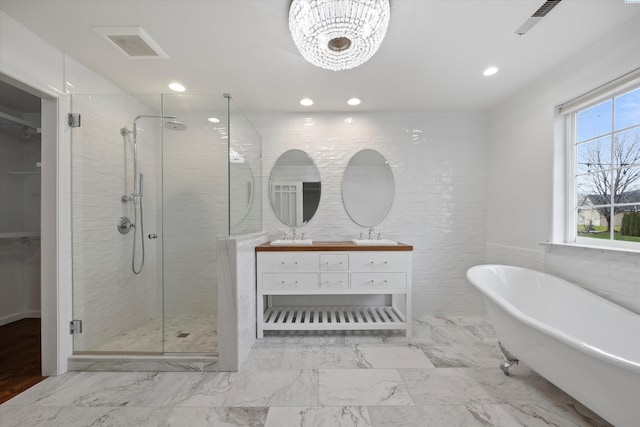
x=333 y=246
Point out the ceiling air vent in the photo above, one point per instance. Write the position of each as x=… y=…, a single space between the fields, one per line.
x=133 y=42
x=537 y=16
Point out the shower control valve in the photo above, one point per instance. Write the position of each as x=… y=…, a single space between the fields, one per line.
x=153 y=236
x=125 y=225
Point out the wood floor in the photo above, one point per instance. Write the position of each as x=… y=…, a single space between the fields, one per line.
x=20 y=364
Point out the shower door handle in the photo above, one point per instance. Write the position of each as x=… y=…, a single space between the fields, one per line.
x=153 y=236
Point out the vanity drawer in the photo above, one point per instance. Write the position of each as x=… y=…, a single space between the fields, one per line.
x=378 y=280
x=277 y=262
x=334 y=280
x=380 y=261
x=274 y=281
x=334 y=262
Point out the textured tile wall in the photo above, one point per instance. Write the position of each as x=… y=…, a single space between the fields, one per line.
x=195 y=214
x=613 y=275
x=610 y=274
x=439 y=166
x=107 y=296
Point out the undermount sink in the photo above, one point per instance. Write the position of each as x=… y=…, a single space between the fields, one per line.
x=300 y=242
x=375 y=242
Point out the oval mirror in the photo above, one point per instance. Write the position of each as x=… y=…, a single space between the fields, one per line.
x=367 y=188
x=294 y=188
x=240 y=192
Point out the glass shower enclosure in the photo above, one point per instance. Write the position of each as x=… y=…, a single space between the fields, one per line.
x=156 y=180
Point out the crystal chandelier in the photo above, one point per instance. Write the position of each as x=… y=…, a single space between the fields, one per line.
x=338 y=34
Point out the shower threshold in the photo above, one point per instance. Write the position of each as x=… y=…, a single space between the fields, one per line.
x=144 y=362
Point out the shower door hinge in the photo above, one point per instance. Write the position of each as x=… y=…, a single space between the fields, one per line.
x=74 y=120
x=75 y=327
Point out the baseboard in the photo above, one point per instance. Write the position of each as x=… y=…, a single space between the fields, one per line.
x=19 y=316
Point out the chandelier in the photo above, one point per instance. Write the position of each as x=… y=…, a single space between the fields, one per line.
x=338 y=34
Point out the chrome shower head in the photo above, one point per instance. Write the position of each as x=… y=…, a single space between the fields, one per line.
x=174 y=125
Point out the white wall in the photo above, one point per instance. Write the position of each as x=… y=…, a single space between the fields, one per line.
x=38 y=67
x=521 y=207
x=439 y=166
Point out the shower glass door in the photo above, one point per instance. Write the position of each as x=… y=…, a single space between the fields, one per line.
x=155 y=181
x=120 y=310
x=195 y=212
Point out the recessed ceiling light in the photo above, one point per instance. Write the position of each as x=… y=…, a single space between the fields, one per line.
x=213 y=120
x=490 y=71
x=354 y=101
x=175 y=86
x=306 y=102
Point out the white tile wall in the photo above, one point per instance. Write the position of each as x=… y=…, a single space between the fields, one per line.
x=195 y=214
x=439 y=166
x=612 y=275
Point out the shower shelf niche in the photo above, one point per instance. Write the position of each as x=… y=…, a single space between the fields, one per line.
x=335 y=269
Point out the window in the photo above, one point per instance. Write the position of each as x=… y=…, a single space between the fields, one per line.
x=604 y=179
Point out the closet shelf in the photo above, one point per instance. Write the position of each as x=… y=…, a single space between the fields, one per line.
x=32 y=235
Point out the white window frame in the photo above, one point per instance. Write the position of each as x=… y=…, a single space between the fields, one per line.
x=568 y=113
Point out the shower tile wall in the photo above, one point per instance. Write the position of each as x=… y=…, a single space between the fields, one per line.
x=439 y=165
x=195 y=214
x=108 y=297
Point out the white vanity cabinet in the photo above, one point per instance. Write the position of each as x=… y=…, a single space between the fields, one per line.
x=334 y=268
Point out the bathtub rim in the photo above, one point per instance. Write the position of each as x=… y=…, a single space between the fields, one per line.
x=496 y=298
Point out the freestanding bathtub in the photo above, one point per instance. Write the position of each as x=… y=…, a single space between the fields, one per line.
x=587 y=346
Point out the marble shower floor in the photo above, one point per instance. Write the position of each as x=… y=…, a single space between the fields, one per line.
x=201 y=336
x=446 y=375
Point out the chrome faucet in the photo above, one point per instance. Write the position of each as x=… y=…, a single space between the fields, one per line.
x=370 y=232
x=293 y=234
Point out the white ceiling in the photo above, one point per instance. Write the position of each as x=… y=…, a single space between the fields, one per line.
x=431 y=59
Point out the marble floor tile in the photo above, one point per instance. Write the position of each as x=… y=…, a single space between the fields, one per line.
x=111 y=389
x=455 y=334
x=423 y=416
x=454 y=386
x=523 y=386
x=463 y=355
x=273 y=388
x=320 y=357
x=362 y=387
x=333 y=416
x=446 y=375
x=75 y=416
x=218 y=417
x=456 y=320
x=188 y=389
x=390 y=356
x=326 y=338
x=536 y=415
x=265 y=357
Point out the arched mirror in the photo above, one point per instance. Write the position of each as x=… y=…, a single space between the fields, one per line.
x=367 y=188
x=240 y=192
x=294 y=188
